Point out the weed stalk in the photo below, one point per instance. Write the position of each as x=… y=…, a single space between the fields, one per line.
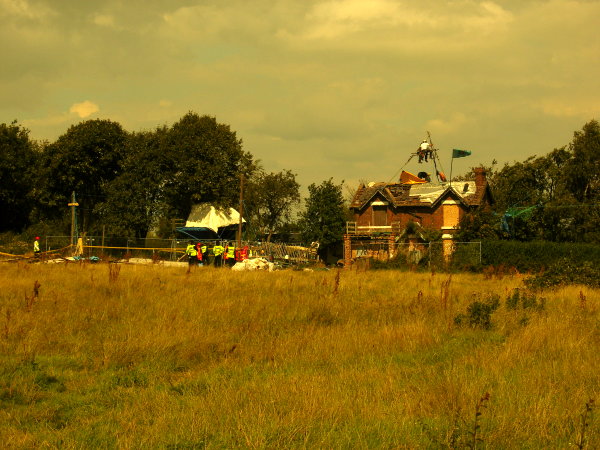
x=475 y=432
x=586 y=418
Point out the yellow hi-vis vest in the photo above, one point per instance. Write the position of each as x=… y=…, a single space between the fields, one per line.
x=36 y=246
x=191 y=250
x=218 y=250
x=231 y=251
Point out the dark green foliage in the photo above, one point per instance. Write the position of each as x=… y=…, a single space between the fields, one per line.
x=479 y=224
x=85 y=159
x=205 y=163
x=19 y=169
x=527 y=300
x=536 y=256
x=144 y=168
x=479 y=313
x=583 y=170
x=128 y=182
x=566 y=272
x=324 y=218
x=563 y=188
x=268 y=200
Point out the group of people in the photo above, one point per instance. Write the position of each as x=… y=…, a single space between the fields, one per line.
x=199 y=254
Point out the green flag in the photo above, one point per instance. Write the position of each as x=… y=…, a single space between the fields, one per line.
x=457 y=153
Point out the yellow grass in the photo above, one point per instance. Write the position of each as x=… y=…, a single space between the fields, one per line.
x=155 y=357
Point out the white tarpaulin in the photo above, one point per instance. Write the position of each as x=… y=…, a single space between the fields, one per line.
x=253 y=264
x=204 y=215
x=431 y=192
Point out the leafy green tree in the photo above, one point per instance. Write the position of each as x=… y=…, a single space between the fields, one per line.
x=479 y=224
x=85 y=159
x=558 y=192
x=134 y=199
x=166 y=171
x=583 y=170
x=206 y=161
x=270 y=198
x=18 y=169
x=324 y=218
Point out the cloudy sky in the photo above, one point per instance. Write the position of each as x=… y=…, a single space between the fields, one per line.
x=327 y=88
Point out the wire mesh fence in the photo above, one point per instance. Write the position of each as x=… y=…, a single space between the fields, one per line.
x=112 y=248
x=438 y=254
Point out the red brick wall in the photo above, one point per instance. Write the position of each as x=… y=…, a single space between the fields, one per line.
x=427 y=217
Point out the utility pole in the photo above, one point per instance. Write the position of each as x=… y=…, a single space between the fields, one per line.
x=241 y=211
x=73 y=205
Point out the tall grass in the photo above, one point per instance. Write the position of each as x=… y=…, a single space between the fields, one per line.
x=94 y=356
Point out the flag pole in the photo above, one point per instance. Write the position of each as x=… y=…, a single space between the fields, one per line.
x=457 y=153
x=241 y=211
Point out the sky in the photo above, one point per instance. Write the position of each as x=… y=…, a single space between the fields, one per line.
x=342 y=89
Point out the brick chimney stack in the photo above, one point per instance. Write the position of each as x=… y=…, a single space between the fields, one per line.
x=480 y=176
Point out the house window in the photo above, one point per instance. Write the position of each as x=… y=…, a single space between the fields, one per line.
x=451 y=215
x=380 y=216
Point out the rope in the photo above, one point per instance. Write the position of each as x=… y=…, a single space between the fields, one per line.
x=11 y=255
x=412 y=155
x=169 y=249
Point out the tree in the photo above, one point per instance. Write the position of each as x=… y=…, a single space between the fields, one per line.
x=166 y=171
x=206 y=161
x=270 y=198
x=479 y=224
x=85 y=159
x=323 y=220
x=18 y=167
x=583 y=170
x=135 y=199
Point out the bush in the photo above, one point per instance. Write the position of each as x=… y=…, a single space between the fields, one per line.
x=536 y=256
x=566 y=271
x=479 y=313
x=527 y=300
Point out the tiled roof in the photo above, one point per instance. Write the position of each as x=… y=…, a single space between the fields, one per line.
x=404 y=195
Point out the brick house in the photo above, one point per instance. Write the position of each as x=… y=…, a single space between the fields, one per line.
x=382 y=211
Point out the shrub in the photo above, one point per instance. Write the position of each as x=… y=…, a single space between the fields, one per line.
x=479 y=313
x=528 y=300
x=566 y=271
x=536 y=256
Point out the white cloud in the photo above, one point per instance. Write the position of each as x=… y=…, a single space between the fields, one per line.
x=448 y=125
x=389 y=24
x=571 y=107
x=104 y=20
x=334 y=19
x=22 y=9
x=84 y=109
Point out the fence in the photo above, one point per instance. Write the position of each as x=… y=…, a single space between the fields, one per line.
x=438 y=254
x=172 y=249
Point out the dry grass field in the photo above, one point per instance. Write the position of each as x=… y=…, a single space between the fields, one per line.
x=99 y=356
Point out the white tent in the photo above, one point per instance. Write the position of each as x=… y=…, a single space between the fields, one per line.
x=204 y=215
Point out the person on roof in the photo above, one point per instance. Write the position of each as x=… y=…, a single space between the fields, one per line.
x=424 y=150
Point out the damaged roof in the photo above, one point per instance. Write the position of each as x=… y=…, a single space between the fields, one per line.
x=471 y=193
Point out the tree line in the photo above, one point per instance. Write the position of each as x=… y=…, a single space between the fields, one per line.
x=554 y=197
x=131 y=183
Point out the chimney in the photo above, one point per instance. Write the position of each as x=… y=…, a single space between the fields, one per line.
x=480 y=176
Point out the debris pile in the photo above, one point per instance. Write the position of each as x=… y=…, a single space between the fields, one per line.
x=254 y=264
